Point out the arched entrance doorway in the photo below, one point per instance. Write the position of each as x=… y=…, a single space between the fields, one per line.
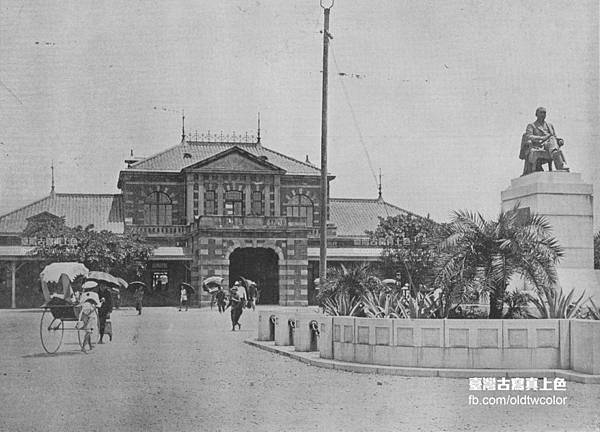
x=260 y=265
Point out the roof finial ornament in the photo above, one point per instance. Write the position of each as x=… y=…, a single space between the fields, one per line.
x=258 y=132
x=52 y=193
x=182 y=126
x=379 y=186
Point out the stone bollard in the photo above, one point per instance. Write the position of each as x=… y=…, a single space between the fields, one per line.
x=283 y=331
x=307 y=332
x=266 y=325
x=326 y=337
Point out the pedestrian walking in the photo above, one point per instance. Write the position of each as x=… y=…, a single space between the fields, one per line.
x=220 y=296
x=87 y=322
x=236 y=303
x=183 y=298
x=139 y=296
x=252 y=295
x=106 y=306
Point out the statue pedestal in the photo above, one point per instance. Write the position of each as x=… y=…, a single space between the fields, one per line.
x=566 y=202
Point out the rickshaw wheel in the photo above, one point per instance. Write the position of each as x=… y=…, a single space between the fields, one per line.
x=81 y=332
x=51 y=332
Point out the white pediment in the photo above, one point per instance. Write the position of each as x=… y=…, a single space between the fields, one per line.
x=235 y=162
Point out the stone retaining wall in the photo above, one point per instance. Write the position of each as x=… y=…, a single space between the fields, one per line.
x=534 y=344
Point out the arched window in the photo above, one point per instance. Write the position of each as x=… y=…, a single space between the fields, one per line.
x=300 y=206
x=234 y=203
x=157 y=209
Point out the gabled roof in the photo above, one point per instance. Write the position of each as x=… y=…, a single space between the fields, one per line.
x=104 y=211
x=173 y=159
x=354 y=216
x=236 y=159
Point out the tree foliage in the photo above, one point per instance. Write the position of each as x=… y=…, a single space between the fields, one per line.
x=410 y=248
x=120 y=255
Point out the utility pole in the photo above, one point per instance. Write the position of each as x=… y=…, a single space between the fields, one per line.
x=326 y=5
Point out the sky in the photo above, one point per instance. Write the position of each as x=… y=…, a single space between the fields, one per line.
x=435 y=94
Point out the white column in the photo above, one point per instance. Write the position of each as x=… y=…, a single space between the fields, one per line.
x=266 y=190
x=247 y=195
x=13 y=272
x=220 y=197
x=189 y=196
x=201 y=195
x=277 y=196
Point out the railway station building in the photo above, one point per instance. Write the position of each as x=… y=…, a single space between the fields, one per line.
x=216 y=206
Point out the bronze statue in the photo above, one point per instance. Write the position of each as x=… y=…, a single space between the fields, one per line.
x=539 y=145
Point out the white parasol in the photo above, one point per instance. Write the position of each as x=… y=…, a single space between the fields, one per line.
x=63 y=273
x=52 y=272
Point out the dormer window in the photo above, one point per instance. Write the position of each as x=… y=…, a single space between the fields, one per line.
x=187 y=155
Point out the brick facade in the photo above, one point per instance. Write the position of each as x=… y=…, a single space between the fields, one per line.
x=214 y=226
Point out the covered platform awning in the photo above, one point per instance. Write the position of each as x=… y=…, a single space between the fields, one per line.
x=171 y=253
x=15 y=255
x=21 y=253
x=347 y=254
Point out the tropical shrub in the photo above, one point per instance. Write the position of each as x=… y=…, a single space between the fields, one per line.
x=355 y=280
x=593 y=311
x=382 y=305
x=554 y=303
x=470 y=312
x=422 y=305
x=342 y=304
x=517 y=305
x=485 y=254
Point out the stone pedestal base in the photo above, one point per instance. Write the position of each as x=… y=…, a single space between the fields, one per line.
x=566 y=202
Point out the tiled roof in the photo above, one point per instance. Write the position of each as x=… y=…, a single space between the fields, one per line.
x=105 y=212
x=173 y=159
x=354 y=216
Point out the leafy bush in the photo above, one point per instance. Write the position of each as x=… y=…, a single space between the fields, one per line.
x=421 y=305
x=554 y=303
x=517 y=304
x=471 y=312
x=382 y=305
x=593 y=311
x=342 y=304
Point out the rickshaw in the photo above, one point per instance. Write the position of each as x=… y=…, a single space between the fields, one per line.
x=58 y=308
x=211 y=285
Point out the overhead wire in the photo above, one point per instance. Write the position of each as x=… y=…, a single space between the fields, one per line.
x=355 y=121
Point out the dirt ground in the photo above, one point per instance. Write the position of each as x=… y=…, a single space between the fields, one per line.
x=187 y=371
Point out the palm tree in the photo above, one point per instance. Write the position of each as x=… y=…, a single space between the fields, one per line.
x=344 y=288
x=486 y=254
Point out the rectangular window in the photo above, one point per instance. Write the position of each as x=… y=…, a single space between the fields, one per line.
x=147 y=215
x=234 y=203
x=210 y=206
x=162 y=215
x=257 y=203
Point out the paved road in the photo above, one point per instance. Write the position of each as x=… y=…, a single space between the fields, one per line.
x=186 y=371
